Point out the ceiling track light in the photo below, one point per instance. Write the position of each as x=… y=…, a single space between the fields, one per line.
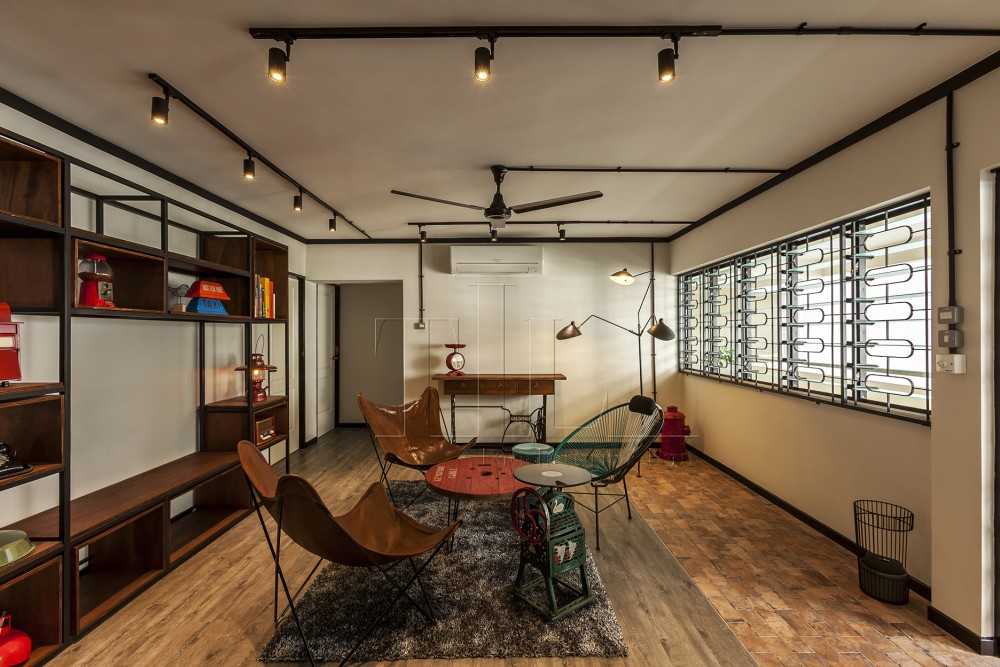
x=249 y=168
x=562 y=233
x=277 y=63
x=666 y=61
x=493 y=234
x=160 y=112
x=423 y=235
x=483 y=61
x=333 y=223
x=297 y=202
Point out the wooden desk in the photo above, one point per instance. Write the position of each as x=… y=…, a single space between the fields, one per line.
x=500 y=384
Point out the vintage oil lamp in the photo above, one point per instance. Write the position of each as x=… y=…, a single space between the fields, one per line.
x=10 y=347
x=260 y=370
x=96 y=276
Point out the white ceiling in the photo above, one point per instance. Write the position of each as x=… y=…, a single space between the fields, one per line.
x=360 y=117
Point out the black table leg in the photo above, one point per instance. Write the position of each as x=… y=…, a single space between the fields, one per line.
x=543 y=436
x=454 y=433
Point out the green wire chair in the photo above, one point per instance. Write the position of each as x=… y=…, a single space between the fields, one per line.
x=608 y=446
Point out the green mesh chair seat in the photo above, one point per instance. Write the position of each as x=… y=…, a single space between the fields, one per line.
x=609 y=445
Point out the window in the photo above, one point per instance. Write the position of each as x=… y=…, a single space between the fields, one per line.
x=839 y=314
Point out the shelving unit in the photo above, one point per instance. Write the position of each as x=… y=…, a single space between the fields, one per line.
x=96 y=552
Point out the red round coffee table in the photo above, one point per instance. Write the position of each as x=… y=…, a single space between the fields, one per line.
x=474 y=477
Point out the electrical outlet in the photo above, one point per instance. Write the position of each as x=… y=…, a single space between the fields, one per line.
x=953 y=364
x=420 y=325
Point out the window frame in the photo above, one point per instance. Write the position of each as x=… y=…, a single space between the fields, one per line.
x=842 y=304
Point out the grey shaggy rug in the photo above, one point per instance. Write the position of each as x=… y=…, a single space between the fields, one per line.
x=471 y=590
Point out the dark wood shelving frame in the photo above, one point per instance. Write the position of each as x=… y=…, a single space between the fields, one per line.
x=125 y=530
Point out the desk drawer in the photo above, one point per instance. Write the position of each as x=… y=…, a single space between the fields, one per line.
x=498 y=387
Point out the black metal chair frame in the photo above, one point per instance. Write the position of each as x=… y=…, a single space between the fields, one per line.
x=401 y=591
x=619 y=474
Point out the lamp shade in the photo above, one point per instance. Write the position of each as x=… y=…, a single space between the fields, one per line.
x=661 y=331
x=622 y=277
x=568 y=331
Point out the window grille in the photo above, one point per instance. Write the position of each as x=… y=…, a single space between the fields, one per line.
x=838 y=315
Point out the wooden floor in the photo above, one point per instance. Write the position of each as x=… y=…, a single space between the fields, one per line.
x=789 y=594
x=215 y=608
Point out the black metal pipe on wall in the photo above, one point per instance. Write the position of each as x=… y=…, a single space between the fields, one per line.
x=950 y=146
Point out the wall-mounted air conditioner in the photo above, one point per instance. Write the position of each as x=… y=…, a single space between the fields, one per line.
x=496 y=259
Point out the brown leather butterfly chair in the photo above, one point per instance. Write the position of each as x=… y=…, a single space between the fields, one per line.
x=409 y=435
x=372 y=534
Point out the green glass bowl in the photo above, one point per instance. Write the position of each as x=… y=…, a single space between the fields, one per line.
x=14 y=545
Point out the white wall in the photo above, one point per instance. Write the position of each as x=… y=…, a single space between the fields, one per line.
x=325 y=308
x=820 y=458
x=509 y=323
x=135 y=384
x=309 y=316
x=371 y=346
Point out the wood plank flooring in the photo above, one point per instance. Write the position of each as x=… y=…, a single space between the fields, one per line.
x=216 y=608
x=789 y=593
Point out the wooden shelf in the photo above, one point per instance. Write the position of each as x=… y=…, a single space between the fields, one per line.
x=140 y=278
x=239 y=404
x=30 y=184
x=43 y=551
x=193 y=530
x=120 y=562
x=38 y=471
x=35 y=601
x=100 y=509
x=185 y=264
x=272 y=441
x=203 y=317
x=16 y=391
x=115 y=242
x=31 y=272
x=271 y=260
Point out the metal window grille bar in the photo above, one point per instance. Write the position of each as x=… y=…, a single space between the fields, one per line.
x=839 y=314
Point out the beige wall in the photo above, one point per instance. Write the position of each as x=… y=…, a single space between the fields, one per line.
x=820 y=458
x=509 y=323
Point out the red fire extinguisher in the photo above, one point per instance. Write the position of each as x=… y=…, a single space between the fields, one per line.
x=15 y=645
x=672 y=445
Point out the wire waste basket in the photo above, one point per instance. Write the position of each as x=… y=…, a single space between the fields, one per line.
x=882 y=529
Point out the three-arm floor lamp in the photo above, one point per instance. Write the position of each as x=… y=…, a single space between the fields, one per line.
x=657 y=328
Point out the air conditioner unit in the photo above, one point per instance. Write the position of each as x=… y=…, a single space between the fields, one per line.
x=496 y=259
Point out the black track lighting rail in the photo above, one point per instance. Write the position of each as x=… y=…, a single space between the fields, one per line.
x=252 y=152
x=552 y=222
x=494 y=32
x=649 y=170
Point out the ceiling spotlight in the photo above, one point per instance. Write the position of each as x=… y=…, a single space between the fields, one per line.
x=249 y=168
x=562 y=233
x=484 y=56
x=622 y=277
x=277 y=64
x=493 y=234
x=423 y=236
x=333 y=223
x=160 y=114
x=297 y=202
x=666 y=61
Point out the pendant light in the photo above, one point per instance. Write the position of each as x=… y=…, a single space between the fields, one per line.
x=249 y=168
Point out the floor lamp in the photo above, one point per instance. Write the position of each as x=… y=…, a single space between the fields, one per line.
x=657 y=328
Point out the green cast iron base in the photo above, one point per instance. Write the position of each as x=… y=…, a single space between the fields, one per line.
x=529 y=589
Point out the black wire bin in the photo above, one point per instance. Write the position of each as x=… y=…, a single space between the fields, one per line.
x=881 y=529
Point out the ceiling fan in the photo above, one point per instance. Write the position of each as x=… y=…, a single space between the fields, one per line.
x=498 y=212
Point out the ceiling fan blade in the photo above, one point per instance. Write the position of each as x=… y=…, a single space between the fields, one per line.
x=558 y=201
x=435 y=199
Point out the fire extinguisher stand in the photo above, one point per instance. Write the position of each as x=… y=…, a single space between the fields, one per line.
x=673 y=447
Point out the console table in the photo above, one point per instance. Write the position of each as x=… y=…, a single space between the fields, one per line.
x=502 y=384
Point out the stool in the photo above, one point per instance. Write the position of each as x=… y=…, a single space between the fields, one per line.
x=533 y=452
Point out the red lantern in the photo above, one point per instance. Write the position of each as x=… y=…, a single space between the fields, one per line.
x=260 y=370
x=10 y=347
x=96 y=290
x=672 y=445
x=15 y=645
